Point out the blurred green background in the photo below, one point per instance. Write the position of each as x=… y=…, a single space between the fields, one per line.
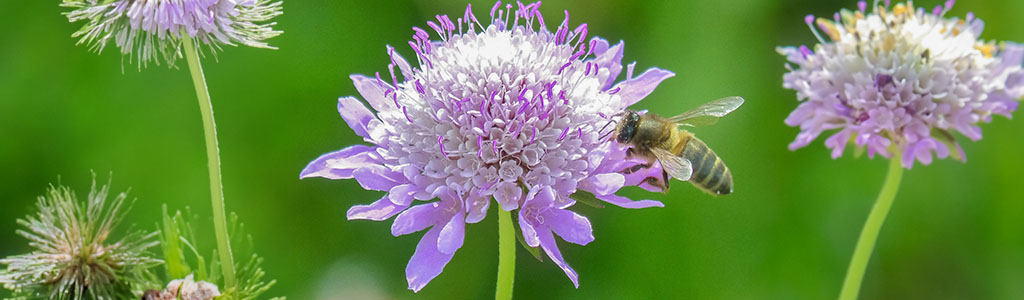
x=955 y=232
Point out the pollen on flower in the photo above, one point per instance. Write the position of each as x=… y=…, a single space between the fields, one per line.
x=509 y=111
x=902 y=79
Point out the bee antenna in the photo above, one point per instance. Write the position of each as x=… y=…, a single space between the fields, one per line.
x=611 y=121
x=606 y=134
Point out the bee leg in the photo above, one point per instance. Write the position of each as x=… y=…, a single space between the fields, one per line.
x=629 y=152
x=635 y=168
x=663 y=185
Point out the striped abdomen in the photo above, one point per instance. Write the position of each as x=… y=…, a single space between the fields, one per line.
x=709 y=172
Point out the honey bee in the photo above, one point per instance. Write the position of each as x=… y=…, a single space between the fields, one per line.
x=682 y=155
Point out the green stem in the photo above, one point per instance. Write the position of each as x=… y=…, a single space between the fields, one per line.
x=220 y=224
x=869 y=234
x=506 y=255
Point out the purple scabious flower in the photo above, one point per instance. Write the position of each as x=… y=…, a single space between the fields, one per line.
x=509 y=111
x=151 y=30
x=901 y=79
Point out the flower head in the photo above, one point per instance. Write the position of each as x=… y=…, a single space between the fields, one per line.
x=151 y=30
x=509 y=111
x=901 y=79
x=185 y=289
x=76 y=256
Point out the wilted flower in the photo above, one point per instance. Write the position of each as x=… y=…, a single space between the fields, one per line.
x=151 y=30
x=509 y=111
x=901 y=79
x=185 y=289
x=75 y=255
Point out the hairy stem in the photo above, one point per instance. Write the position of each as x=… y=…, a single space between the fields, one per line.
x=506 y=255
x=220 y=224
x=869 y=234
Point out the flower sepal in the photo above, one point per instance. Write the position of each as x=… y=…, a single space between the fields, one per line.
x=587 y=198
x=955 y=151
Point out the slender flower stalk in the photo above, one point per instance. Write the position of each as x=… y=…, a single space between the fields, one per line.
x=160 y=30
x=898 y=81
x=869 y=234
x=509 y=111
x=506 y=256
x=220 y=223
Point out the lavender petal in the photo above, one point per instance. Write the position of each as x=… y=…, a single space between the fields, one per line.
x=569 y=225
x=380 y=210
x=476 y=208
x=341 y=164
x=608 y=58
x=635 y=89
x=373 y=91
x=508 y=195
x=427 y=262
x=547 y=242
x=452 y=234
x=355 y=114
x=402 y=194
x=624 y=202
x=415 y=218
x=530 y=234
x=378 y=178
x=604 y=184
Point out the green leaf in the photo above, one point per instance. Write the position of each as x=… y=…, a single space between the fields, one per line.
x=177 y=237
x=174 y=256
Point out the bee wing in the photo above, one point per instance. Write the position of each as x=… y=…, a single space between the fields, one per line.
x=708 y=113
x=676 y=166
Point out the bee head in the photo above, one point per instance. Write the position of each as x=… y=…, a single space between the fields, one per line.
x=627 y=128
